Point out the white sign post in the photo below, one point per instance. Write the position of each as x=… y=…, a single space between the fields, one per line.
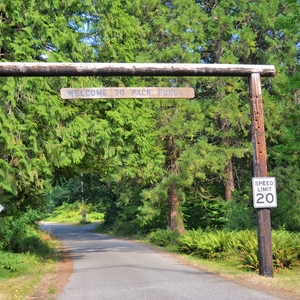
x=1 y=207
x=264 y=192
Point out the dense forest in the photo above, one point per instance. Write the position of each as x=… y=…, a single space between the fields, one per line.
x=149 y=163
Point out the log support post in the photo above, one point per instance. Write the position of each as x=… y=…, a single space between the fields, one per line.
x=263 y=216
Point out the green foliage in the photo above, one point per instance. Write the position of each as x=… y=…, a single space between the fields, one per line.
x=286 y=249
x=206 y=244
x=15 y=262
x=288 y=193
x=132 y=151
x=72 y=213
x=30 y=108
x=21 y=235
x=124 y=228
x=284 y=158
x=240 y=213
x=204 y=214
x=244 y=246
x=241 y=247
x=163 y=237
x=189 y=239
x=22 y=245
x=84 y=222
x=216 y=131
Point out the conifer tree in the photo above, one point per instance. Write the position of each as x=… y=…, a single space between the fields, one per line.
x=30 y=108
x=221 y=32
x=153 y=154
x=44 y=136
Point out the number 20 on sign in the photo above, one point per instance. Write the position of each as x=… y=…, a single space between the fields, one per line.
x=264 y=192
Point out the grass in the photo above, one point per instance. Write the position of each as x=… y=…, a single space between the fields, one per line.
x=17 y=285
x=285 y=281
x=76 y=218
x=52 y=290
x=20 y=273
x=20 y=286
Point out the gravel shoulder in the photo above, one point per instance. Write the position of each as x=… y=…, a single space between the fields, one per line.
x=52 y=284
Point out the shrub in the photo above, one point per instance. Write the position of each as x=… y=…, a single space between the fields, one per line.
x=21 y=235
x=5 y=233
x=34 y=244
x=206 y=244
x=126 y=228
x=188 y=242
x=213 y=244
x=163 y=237
x=241 y=247
x=84 y=222
x=15 y=262
x=244 y=247
x=286 y=249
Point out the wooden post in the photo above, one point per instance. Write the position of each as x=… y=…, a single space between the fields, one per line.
x=260 y=170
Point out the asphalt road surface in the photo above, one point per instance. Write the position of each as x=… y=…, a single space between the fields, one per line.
x=111 y=268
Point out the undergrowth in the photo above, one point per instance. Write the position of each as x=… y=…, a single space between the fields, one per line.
x=72 y=213
x=237 y=247
x=26 y=253
x=22 y=235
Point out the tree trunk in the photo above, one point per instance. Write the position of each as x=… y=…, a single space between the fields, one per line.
x=175 y=219
x=229 y=181
x=229 y=178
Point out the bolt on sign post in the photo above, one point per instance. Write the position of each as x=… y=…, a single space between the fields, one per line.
x=253 y=72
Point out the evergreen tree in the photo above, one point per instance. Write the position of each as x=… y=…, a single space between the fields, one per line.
x=221 y=32
x=157 y=157
x=31 y=111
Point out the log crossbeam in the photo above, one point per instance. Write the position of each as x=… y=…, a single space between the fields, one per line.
x=20 y=69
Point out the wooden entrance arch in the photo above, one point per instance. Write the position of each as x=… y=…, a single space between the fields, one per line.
x=253 y=72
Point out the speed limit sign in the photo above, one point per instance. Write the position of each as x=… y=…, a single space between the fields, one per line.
x=264 y=192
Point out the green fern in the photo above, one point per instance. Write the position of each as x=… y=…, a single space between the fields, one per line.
x=286 y=249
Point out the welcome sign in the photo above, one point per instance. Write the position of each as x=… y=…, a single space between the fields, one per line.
x=129 y=92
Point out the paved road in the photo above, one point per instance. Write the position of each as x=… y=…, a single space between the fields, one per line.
x=114 y=269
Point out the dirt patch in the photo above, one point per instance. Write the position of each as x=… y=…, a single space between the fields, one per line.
x=264 y=284
x=52 y=284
